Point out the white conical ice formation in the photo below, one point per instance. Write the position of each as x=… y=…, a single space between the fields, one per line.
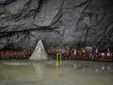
x=39 y=52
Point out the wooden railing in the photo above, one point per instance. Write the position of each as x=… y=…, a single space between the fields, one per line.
x=83 y=56
x=14 y=54
x=52 y=55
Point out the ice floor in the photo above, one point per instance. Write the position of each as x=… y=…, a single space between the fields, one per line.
x=24 y=72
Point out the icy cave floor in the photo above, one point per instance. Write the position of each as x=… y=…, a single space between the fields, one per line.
x=47 y=72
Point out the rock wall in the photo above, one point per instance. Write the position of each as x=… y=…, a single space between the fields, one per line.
x=72 y=23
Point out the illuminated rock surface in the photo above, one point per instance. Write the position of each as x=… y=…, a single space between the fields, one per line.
x=73 y=23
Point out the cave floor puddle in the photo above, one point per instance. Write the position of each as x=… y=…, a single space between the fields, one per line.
x=70 y=72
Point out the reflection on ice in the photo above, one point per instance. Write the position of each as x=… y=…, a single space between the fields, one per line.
x=96 y=67
x=15 y=63
x=96 y=70
x=103 y=68
x=39 y=69
x=48 y=73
